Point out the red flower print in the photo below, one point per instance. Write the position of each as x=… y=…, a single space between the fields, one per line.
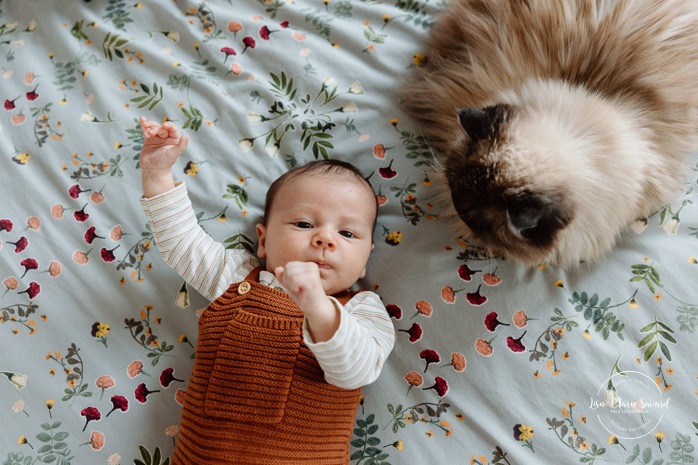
x=249 y=43
x=394 y=311
x=10 y=104
x=264 y=32
x=33 y=290
x=430 y=356
x=28 y=264
x=465 y=273
x=515 y=344
x=80 y=215
x=440 y=386
x=90 y=414
x=75 y=191
x=118 y=403
x=108 y=254
x=387 y=172
x=228 y=51
x=415 y=332
x=475 y=298
x=20 y=245
x=91 y=235
x=5 y=225
x=491 y=322
x=142 y=393
x=32 y=95
x=284 y=24
x=167 y=377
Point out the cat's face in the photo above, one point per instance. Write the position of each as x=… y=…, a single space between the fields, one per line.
x=506 y=203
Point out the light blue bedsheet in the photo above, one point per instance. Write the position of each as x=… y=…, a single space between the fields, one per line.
x=492 y=364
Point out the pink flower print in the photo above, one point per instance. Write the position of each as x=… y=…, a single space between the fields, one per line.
x=458 y=362
x=118 y=403
x=91 y=235
x=167 y=377
x=11 y=283
x=90 y=414
x=520 y=319
x=515 y=344
x=32 y=95
x=80 y=215
x=491 y=322
x=379 y=151
x=33 y=290
x=440 y=386
x=475 y=298
x=97 y=198
x=18 y=119
x=75 y=191
x=81 y=257
x=116 y=233
x=235 y=27
x=394 y=311
x=228 y=51
x=104 y=382
x=429 y=356
x=483 y=347
x=28 y=264
x=6 y=225
x=179 y=396
x=135 y=368
x=33 y=223
x=465 y=273
x=10 y=104
x=20 y=245
x=108 y=254
x=423 y=308
x=387 y=172
x=249 y=43
x=54 y=268
x=96 y=440
x=57 y=211
x=414 y=379
x=142 y=393
x=415 y=332
x=29 y=78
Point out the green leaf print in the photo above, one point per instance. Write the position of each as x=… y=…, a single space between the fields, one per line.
x=657 y=334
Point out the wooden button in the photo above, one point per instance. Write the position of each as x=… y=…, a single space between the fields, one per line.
x=244 y=288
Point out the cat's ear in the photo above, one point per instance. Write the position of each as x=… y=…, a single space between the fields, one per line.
x=482 y=123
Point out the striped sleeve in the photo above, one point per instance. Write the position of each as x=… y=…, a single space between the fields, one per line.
x=203 y=262
x=355 y=355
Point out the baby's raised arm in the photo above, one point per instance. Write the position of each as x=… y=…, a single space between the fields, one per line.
x=162 y=146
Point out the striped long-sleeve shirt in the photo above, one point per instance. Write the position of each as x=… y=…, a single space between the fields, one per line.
x=355 y=354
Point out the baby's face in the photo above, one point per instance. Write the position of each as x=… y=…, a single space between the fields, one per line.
x=326 y=219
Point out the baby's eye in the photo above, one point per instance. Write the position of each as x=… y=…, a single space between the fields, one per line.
x=347 y=234
x=303 y=225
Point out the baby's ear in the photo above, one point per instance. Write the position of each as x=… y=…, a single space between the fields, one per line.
x=262 y=234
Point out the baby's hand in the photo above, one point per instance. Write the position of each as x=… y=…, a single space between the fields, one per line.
x=162 y=146
x=303 y=283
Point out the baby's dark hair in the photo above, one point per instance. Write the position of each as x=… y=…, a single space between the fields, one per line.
x=315 y=167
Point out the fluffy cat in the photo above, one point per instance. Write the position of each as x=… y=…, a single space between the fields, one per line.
x=559 y=122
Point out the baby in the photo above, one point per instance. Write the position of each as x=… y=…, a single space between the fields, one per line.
x=283 y=349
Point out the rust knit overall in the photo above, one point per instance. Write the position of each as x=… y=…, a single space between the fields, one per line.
x=257 y=394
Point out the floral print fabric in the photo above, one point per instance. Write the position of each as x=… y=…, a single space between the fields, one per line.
x=493 y=363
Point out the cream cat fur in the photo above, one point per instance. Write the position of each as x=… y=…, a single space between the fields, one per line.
x=559 y=122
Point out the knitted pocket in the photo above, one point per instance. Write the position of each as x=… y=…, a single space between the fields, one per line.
x=251 y=376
